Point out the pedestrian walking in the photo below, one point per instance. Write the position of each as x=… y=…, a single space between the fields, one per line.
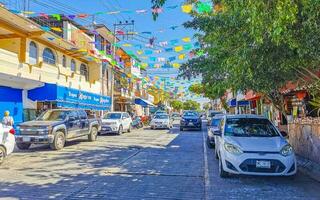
x=7 y=119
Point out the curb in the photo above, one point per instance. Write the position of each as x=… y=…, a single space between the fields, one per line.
x=309 y=167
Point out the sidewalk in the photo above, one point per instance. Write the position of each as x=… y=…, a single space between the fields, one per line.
x=309 y=168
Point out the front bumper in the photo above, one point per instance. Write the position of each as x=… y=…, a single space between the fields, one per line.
x=190 y=124
x=109 y=129
x=155 y=126
x=246 y=163
x=35 y=139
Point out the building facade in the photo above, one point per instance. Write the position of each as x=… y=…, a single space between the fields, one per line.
x=40 y=69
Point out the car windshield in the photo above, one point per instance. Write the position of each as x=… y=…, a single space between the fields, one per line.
x=161 y=117
x=53 y=115
x=112 y=116
x=250 y=127
x=190 y=114
x=215 y=122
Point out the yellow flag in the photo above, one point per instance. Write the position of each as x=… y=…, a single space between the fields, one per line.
x=187 y=8
x=139 y=52
x=182 y=56
x=178 y=48
x=126 y=45
x=176 y=65
x=186 y=39
x=58 y=29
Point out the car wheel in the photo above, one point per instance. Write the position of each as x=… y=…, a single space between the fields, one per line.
x=58 y=142
x=2 y=154
x=129 y=129
x=23 y=146
x=222 y=173
x=181 y=129
x=120 y=131
x=93 y=134
x=209 y=143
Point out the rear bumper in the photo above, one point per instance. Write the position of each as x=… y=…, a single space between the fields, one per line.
x=43 y=139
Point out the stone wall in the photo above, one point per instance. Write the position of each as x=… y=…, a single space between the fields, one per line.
x=304 y=136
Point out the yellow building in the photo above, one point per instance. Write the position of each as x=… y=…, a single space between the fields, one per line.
x=39 y=69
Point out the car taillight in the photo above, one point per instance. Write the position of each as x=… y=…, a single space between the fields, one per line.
x=12 y=131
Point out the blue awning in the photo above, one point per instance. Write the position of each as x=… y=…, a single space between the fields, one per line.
x=143 y=102
x=70 y=98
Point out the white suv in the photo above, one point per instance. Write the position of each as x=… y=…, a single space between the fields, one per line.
x=252 y=145
x=7 y=141
x=116 y=122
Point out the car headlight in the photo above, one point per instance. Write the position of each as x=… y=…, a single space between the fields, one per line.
x=287 y=150
x=183 y=120
x=232 y=149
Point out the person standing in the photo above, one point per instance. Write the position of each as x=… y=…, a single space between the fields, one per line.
x=7 y=119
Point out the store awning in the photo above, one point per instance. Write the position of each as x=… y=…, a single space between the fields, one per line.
x=143 y=102
x=70 y=98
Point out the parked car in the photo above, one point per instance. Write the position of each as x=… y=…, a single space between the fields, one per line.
x=175 y=116
x=252 y=145
x=161 y=121
x=211 y=114
x=116 y=122
x=159 y=112
x=213 y=126
x=55 y=127
x=7 y=141
x=137 y=122
x=190 y=119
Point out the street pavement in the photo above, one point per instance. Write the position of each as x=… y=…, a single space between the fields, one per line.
x=145 y=164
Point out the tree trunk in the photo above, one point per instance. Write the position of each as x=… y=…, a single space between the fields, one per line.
x=277 y=100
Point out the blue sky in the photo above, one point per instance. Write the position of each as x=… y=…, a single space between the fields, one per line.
x=143 y=23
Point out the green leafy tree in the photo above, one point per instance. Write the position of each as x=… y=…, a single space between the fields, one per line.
x=191 y=105
x=255 y=44
x=177 y=105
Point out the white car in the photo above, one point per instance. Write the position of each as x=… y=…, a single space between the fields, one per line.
x=161 y=121
x=7 y=141
x=116 y=122
x=252 y=145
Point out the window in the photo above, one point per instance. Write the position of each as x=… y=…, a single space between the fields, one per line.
x=33 y=53
x=84 y=71
x=64 y=61
x=48 y=56
x=73 y=65
x=99 y=43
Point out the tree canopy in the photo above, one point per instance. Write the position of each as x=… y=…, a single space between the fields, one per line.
x=191 y=105
x=255 y=45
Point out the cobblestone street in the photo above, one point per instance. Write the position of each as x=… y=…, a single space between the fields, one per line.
x=144 y=164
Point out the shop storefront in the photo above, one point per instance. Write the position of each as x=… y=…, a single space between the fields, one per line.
x=55 y=96
x=238 y=107
x=11 y=100
x=144 y=105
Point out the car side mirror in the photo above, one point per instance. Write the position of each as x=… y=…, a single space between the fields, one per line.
x=284 y=134
x=217 y=133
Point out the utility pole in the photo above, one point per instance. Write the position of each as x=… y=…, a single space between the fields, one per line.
x=126 y=28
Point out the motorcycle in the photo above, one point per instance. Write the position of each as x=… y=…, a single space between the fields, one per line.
x=137 y=122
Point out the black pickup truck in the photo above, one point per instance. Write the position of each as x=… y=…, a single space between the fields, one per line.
x=55 y=127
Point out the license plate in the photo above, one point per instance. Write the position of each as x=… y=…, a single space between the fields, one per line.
x=26 y=139
x=190 y=123
x=263 y=164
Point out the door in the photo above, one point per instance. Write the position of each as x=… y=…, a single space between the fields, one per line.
x=84 y=123
x=73 y=124
x=218 y=139
x=126 y=121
